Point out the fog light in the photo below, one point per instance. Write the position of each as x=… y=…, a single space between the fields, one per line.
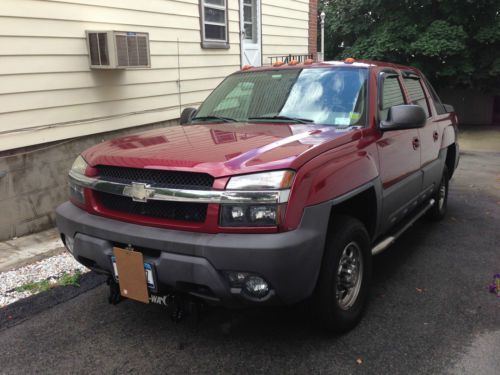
x=69 y=242
x=256 y=286
x=236 y=279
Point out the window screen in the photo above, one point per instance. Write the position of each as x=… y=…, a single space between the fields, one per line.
x=417 y=94
x=391 y=95
x=214 y=23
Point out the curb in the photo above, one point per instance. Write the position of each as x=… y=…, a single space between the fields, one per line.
x=17 y=312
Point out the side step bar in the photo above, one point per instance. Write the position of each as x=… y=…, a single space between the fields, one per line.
x=388 y=241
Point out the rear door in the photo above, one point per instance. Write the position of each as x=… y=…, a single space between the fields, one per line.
x=428 y=135
x=399 y=155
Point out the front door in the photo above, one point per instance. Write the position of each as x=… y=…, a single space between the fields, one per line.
x=250 y=35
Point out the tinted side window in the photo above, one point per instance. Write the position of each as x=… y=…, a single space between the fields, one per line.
x=417 y=94
x=391 y=95
x=437 y=102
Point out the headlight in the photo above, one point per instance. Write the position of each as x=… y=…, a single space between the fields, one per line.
x=256 y=215
x=262 y=181
x=247 y=215
x=76 y=192
x=79 y=165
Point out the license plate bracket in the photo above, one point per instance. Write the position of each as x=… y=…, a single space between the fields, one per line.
x=135 y=277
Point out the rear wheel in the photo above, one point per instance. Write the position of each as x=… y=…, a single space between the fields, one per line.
x=342 y=291
x=438 y=210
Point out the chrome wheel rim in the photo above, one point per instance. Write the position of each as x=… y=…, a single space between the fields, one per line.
x=441 y=195
x=349 y=276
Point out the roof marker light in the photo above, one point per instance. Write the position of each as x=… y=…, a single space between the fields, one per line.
x=246 y=67
x=308 y=61
x=278 y=63
x=293 y=62
x=349 y=60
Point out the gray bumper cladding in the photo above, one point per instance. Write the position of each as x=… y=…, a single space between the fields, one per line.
x=289 y=261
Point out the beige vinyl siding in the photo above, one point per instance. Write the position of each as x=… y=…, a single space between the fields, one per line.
x=48 y=92
x=285 y=28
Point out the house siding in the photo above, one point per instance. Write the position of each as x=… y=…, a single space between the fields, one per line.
x=285 y=28
x=49 y=93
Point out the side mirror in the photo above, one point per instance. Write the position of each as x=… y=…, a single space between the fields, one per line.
x=187 y=115
x=406 y=116
x=448 y=108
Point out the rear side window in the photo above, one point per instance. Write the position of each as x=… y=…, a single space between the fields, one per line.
x=417 y=94
x=391 y=95
x=440 y=110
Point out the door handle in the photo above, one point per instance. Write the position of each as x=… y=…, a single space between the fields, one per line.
x=416 y=143
x=435 y=135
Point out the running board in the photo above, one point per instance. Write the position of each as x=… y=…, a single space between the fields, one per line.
x=388 y=241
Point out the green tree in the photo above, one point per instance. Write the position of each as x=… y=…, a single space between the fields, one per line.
x=454 y=42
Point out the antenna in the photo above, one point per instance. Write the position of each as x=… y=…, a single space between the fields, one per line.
x=179 y=78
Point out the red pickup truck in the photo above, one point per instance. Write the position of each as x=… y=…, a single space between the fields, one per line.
x=279 y=188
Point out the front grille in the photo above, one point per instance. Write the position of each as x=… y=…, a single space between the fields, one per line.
x=155 y=177
x=193 y=212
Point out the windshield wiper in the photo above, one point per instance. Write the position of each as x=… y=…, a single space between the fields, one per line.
x=214 y=117
x=287 y=118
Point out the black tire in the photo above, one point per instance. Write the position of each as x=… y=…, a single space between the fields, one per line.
x=186 y=115
x=333 y=314
x=438 y=210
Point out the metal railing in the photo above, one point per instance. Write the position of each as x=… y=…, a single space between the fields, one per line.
x=287 y=58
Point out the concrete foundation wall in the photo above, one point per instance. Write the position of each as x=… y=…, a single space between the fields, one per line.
x=34 y=182
x=472 y=107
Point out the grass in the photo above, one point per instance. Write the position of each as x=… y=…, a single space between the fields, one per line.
x=35 y=286
x=67 y=279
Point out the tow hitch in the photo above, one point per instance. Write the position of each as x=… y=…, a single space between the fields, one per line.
x=179 y=305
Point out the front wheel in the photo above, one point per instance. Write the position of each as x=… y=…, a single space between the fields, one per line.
x=343 y=286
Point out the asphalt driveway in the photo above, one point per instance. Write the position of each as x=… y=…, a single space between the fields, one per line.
x=430 y=312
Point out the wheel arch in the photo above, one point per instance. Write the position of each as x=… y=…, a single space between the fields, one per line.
x=451 y=161
x=363 y=204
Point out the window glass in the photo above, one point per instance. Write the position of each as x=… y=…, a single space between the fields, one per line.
x=250 y=20
x=440 y=110
x=391 y=95
x=214 y=15
x=329 y=96
x=417 y=94
x=214 y=19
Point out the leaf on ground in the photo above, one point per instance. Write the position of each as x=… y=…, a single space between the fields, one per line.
x=359 y=361
x=419 y=290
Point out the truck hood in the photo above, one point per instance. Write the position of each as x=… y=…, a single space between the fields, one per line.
x=219 y=149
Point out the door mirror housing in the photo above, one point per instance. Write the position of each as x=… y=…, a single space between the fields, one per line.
x=405 y=116
x=187 y=115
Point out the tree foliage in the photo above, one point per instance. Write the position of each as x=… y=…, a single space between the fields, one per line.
x=454 y=42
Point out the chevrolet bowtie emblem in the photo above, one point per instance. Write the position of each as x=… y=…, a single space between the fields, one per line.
x=138 y=192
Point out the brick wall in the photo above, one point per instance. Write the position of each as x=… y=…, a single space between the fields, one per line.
x=313 y=28
x=33 y=182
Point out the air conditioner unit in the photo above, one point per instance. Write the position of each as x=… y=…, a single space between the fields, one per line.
x=118 y=49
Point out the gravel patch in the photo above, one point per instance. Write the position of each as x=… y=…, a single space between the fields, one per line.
x=50 y=269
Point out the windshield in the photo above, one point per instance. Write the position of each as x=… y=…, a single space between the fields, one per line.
x=327 y=96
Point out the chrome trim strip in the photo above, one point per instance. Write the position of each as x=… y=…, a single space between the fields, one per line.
x=143 y=192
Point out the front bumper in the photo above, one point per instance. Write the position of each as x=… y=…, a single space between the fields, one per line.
x=289 y=261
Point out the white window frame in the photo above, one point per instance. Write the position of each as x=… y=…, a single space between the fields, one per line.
x=213 y=43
